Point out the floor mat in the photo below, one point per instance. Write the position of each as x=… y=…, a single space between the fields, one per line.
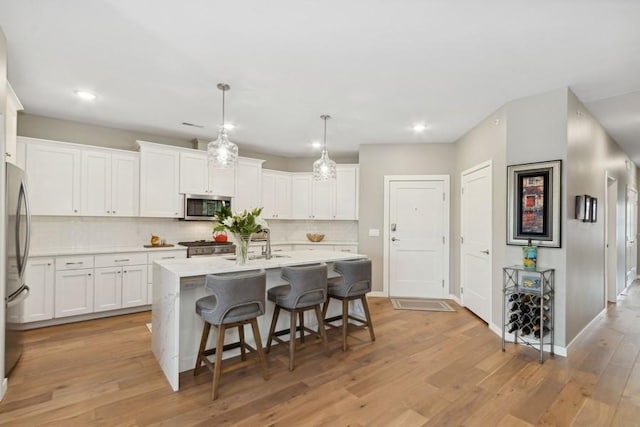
x=420 y=304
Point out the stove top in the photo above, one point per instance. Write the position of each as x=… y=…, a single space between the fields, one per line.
x=201 y=243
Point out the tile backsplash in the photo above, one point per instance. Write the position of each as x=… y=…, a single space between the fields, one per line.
x=50 y=232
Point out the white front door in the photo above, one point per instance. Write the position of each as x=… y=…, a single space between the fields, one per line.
x=476 y=240
x=632 y=244
x=417 y=234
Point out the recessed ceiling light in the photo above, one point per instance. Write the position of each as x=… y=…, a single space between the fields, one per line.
x=83 y=94
x=419 y=127
x=228 y=126
x=316 y=144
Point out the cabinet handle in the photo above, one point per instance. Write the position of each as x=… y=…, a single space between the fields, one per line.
x=74 y=263
x=108 y=211
x=121 y=260
x=113 y=212
x=88 y=274
x=346 y=250
x=118 y=272
x=48 y=263
x=125 y=271
x=75 y=210
x=168 y=257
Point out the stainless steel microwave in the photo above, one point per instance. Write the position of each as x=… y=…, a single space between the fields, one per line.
x=203 y=208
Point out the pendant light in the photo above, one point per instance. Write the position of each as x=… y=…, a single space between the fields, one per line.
x=222 y=153
x=324 y=168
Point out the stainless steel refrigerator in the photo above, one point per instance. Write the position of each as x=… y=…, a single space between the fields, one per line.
x=18 y=233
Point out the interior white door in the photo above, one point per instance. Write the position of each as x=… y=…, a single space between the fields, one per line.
x=476 y=240
x=416 y=238
x=632 y=244
x=611 y=254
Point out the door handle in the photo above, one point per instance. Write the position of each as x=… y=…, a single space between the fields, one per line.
x=393 y=239
x=486 y=252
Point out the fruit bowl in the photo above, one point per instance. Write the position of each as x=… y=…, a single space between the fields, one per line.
x=315 y=237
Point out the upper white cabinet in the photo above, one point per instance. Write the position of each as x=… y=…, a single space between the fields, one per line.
x=197 y=177
x=248 y=184
x=346 y=192
x=110 y=183
x=11 y=125
x=159 y=181
x=333 y=199
x=53 y=171
x=276 y=194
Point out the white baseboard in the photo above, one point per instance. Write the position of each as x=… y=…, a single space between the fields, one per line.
x=455 y=298
x=585 y=328
x=3 y=389
x=378 y=294
x=557 y=350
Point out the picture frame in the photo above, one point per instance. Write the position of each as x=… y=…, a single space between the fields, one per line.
x=534 y=203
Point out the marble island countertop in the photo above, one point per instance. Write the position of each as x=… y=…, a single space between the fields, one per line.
x=199 y=266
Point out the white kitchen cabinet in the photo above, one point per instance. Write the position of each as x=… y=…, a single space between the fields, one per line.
x=248 y=184
x=73 y=292
x=107 y=289
x=40 y=276
x=54 y=177
x=160 y=181
x=121 y=280
x=110 y=183
x=276 y=194
x=156 y=256
x=198 y=177
x=311 y=199
x=11 y=125
x=346 y=198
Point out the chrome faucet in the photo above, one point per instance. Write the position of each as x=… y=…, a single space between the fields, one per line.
x=267 y=251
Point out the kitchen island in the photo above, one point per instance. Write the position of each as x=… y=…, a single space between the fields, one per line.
x=178 y=283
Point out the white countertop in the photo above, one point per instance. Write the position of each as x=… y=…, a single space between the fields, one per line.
x=306 y=242
x=199 y=266
x=95 y=250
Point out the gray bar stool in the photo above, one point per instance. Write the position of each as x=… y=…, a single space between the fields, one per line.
x=307 y=289
x=354 y=284
x=237 y=300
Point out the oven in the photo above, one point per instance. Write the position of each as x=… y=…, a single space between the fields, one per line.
x=200 y=248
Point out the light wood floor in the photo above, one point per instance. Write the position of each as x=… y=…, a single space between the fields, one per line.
x=426 y=368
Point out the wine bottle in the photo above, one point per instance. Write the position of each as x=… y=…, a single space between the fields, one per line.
x=514 y=317
x=525 y=319
x=526 y=330
x=516 y=306
x=513 y=326
x=545 y=331
x=514 y=297
x=536 y=319
x=525 y=308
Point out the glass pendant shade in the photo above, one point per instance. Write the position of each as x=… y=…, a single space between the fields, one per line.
x=222 y=153
x=324 y=168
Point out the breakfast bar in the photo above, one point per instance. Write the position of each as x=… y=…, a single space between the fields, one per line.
x=178 y=283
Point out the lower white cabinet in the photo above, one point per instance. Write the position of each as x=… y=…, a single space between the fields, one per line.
x=134 y=286
x=121 y=281
x=40 y=279
x=74 y=292
x=108 y=289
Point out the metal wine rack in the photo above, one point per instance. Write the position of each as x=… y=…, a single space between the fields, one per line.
x=527 y=307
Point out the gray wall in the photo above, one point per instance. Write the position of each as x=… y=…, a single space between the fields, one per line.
x=486 y=141
x=378 y=160
x=536 y=132
x=591 y=154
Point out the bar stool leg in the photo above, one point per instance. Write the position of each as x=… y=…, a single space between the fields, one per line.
x=321 y=330
x=243 y=350
x=272 y=329
x=292 y=340
x=217 y=369
x=365 y=306
x=203 y=343
x=325 y=307
x=345 y=323
x=258 y=341
x=301 y=319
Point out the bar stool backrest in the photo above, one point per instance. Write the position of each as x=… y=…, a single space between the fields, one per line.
x=356 y=275
x=239 y=295
x=308 y=285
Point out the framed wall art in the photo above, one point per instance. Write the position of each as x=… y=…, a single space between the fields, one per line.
x=534 y=204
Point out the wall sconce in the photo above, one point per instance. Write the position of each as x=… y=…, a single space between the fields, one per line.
x=586 y=208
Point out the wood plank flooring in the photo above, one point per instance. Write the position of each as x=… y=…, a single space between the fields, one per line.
x=425 y=369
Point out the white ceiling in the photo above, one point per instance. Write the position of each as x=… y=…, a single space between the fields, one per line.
x=377 y=67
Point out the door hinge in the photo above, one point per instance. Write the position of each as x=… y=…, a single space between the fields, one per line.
x=462 y=190
x=461 y=290
x=443 y=197
x=443 y=240
x=461 y=239
x=443 y=283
